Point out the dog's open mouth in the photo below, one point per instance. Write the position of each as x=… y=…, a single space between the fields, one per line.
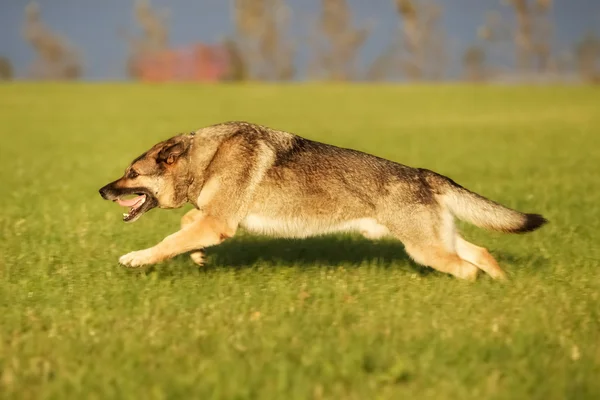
x=136 y=206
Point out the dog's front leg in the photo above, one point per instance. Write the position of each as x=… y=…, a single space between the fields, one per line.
x=206 y=231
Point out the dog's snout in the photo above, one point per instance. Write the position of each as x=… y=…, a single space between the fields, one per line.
x=104 y=192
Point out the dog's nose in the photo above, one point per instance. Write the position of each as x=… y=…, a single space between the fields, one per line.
x=102 y=192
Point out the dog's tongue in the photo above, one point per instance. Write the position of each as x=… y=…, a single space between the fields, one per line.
x=130 y=202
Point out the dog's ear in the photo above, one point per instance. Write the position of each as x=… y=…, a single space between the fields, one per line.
x=172 y=150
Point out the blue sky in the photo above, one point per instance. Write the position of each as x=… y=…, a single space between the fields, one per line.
x=92 y=25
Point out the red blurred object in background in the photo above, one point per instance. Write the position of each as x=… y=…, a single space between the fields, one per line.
x=198 y=62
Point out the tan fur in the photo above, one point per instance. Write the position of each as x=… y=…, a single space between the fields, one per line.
x=480 y=257
x=204 y=231
x=443 y=260
x=276 y=183
x=189 y=217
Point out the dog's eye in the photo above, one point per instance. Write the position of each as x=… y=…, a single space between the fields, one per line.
x=132 y=174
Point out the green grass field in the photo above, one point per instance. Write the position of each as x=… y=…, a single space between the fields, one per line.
x=335 y=317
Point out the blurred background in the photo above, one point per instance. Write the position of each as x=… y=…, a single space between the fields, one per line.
x=539 y=41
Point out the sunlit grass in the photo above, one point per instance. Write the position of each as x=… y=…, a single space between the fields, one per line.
x=334 y=317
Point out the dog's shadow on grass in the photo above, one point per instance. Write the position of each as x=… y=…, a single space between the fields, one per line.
x=323 y=251
x=349 y=251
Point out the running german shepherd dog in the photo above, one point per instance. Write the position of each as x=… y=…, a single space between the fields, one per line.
x=277 y=183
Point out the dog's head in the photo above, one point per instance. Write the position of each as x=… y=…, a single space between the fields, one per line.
x=157 y=178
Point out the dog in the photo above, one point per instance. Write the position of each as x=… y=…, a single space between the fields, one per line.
x=240 y=174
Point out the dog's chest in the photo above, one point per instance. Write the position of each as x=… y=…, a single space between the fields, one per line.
x=304 y=227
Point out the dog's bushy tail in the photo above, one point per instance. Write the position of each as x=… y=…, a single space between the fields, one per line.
x=485 y=213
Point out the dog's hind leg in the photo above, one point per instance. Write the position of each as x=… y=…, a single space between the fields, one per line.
x=197 y=256
x=480 y=257
x=429 y=239
x=437 y=257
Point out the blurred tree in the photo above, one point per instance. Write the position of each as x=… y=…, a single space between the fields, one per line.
x=587 y=55
x=237 y=66
x=153 y=38
x=261 y=45
x=418 y=51
x=386 y=64
x=55 y=57
x=531 y=35
x=336 y=42
x=6 y=70
x=421 y=38
x=474 y=64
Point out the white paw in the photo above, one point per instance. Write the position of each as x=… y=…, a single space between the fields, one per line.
x=197 y=257
x=137 y=258
x=468 y=272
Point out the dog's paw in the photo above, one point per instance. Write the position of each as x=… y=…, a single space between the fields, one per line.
x=137 y=258
x=468 y=272
x=198 y=257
